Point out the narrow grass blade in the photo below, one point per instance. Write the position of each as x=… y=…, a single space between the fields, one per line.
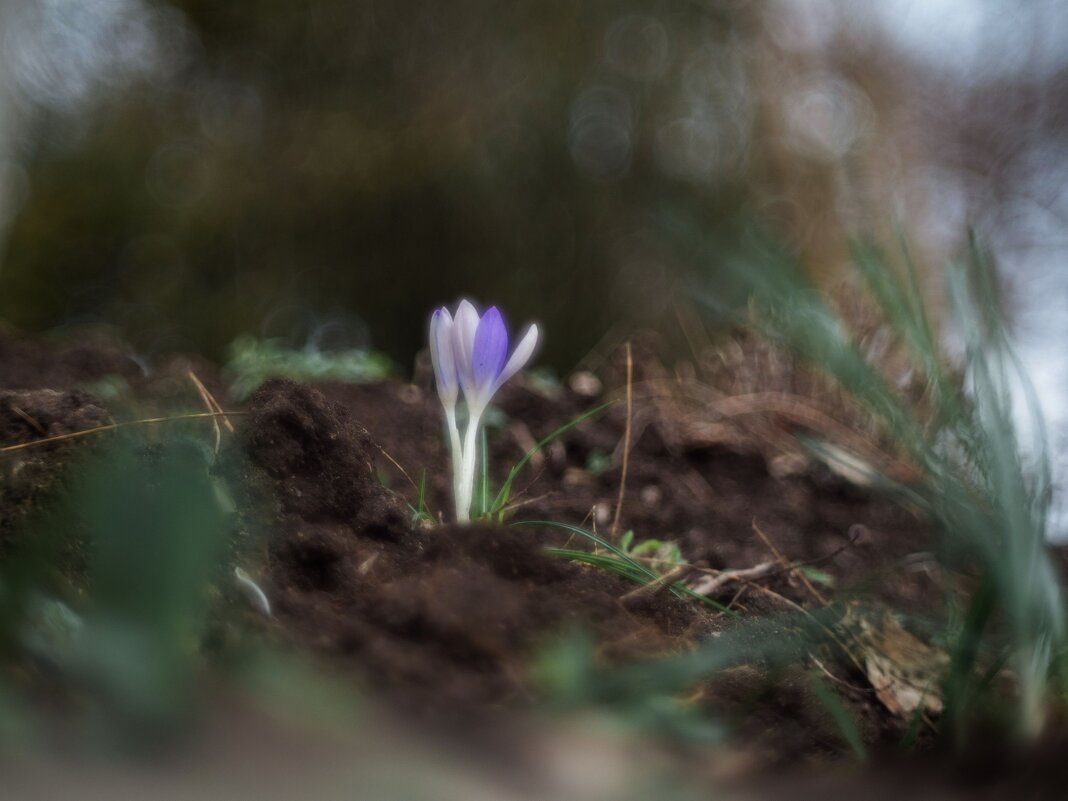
x=599 y=541
x=622 y=564
x=610 y=563
x=843 y=719
x=506 y=490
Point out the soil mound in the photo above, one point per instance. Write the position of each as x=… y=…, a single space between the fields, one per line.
x=437 y=618
x=29 y=474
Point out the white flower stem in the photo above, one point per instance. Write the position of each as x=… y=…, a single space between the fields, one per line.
x=465 y=487
x=457 y=455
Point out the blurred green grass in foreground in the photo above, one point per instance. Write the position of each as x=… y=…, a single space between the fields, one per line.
x=986 y=493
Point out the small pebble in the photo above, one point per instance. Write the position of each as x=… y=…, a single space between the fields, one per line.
x=576 y=477
x=585 y=383
x=786 y=465
x=602 y=514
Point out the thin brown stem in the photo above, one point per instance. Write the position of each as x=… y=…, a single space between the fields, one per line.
x=209 y=401
x=114 y=427
x=710 y=584
x=614 y=531
x=396 y=464
x=788 y=565
x=658 y=585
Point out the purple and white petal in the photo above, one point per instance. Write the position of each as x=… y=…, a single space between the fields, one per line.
x=443 y=357
x=464 y=327
x=523 y=351
x=489 y=353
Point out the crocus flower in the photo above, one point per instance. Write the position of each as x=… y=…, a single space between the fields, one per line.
x=470 y=355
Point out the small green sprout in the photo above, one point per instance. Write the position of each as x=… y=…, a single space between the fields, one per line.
x=598 y=462
x=662 y=556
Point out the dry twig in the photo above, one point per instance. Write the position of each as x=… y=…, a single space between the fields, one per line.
x=396 y=464
x=658 y=585
x=32 y=423
x=213 y=406
x=114 y=427
x=788 y=565
x=710 y=584
x=614 y=531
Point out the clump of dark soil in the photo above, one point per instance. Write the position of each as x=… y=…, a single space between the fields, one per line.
x=438 y=618
x=31 y=474
x=29 y=415
x=705 y=497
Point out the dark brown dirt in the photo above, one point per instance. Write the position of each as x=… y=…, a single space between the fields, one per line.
x=30 y=475
x=445 y=620
x=439 y=618
x=448 y=619
x=705 y=498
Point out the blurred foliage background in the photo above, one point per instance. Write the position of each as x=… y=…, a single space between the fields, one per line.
x=276 y=167
x=328 y=171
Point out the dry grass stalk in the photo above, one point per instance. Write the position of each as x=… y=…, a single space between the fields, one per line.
x=614 y=531
x=114 y=427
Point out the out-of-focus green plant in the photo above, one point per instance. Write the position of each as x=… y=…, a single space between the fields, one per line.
x=644 y=694
x=114 y=608
x=569 y=674
x=662 y=556
x=157 y=536
x=984 y=490
x=133 y=550
x=253 y=361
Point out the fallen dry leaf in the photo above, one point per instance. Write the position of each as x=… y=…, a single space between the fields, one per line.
x=905 y=672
